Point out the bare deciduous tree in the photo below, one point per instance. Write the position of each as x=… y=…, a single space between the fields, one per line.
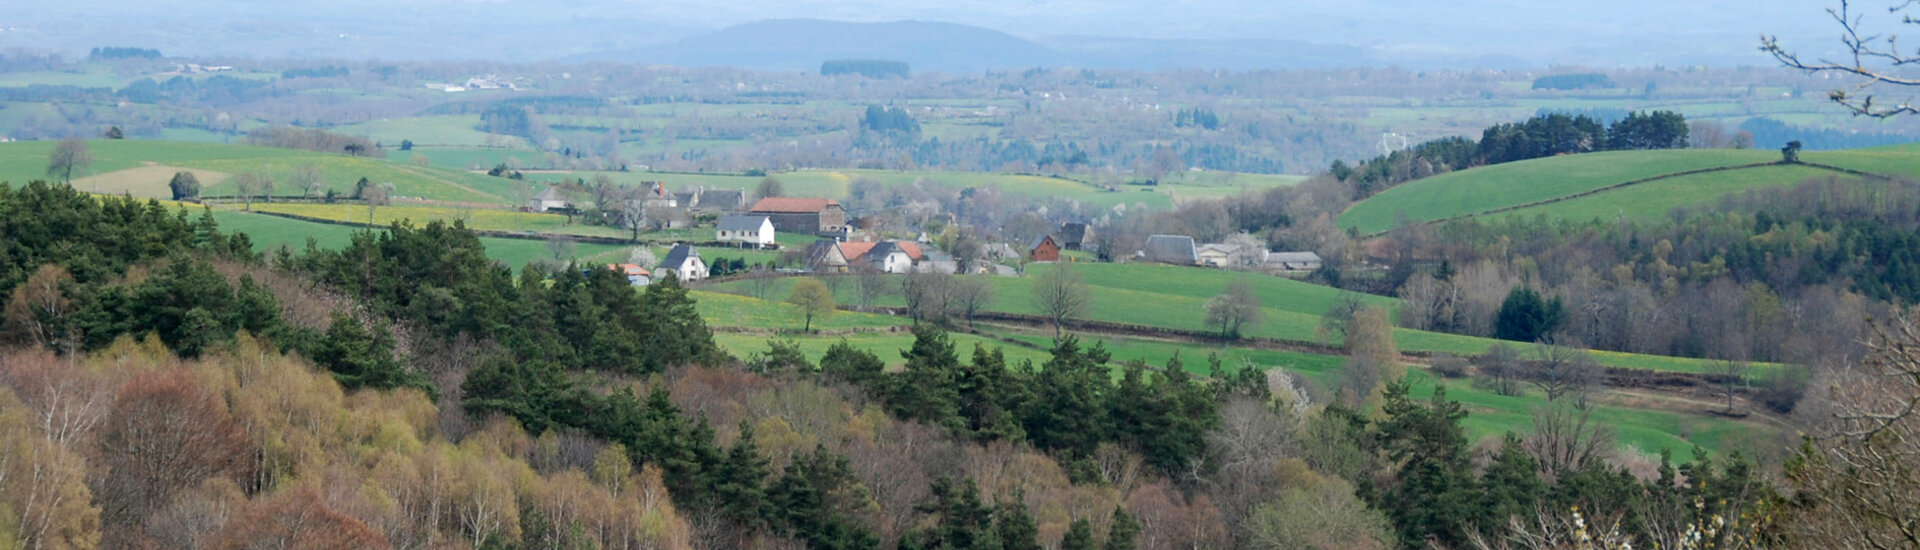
x=1561 y=371
x=1061 y=294
x=1233 y=309
x=308 y=179
x=1872 y=58
x=971 y=295
x=69 y=156
x=1567 y=439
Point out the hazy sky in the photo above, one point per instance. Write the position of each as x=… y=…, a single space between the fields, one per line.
x=1620 y=32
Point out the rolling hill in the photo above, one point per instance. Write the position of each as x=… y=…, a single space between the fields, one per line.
x=142 y=168
x=1613 y=185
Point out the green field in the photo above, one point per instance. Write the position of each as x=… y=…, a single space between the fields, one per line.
x=269 y=233
x=1517 y=183
x=27 y=160
x=1174 y=297
x=425 y=131
x=1655 y=199
x=1647 y=430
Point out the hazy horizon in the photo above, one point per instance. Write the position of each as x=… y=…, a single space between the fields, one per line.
x=1633 y=33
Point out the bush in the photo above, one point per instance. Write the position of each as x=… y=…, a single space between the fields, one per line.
x=1782 y=391
x=1448 y=366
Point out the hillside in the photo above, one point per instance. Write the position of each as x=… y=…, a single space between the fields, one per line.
x=1519 y=183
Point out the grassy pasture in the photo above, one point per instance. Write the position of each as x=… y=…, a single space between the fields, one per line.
x=1644 y=429
x=270 y=232
x=1175 y=297
x=1654 y=199
x=27 y=160
x=432 y=130
x=1503 y=185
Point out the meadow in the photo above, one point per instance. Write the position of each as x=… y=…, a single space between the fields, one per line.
x=1516 y=183
x=270 y=233
x=1676 y=426
x=27 y=160
x=1655 y=199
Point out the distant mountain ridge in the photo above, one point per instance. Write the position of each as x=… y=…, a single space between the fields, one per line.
x=802 y=44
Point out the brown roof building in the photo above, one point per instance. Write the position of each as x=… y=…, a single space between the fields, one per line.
x=802 y=215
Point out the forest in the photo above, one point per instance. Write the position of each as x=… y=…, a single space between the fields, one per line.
x=471 y=407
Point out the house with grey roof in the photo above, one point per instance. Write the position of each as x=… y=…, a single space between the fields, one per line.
x=548 y=200
x=1170 y=249
x=1076 y=236
x=753 y=230
x=683 y=261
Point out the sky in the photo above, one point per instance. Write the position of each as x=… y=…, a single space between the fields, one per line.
x=1616 y=32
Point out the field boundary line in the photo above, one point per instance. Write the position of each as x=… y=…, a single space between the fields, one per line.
x=1617 y=186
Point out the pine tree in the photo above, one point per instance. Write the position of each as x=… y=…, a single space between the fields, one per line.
x=1079 y=536
x=1125 y=532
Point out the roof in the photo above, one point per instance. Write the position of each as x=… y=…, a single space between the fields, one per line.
x=678 y=257
x=1073 y=232
x=721 y=198
x=887 y=248
x=742 y=223
x=1216 y=247
x=1292 y=257
x=1170 y=248
x=1042 y=239
x=912 y=250
x=793 y=205
x=822 y=251
x=550 y=194
x=855 y=251
x=658 y=189
x=629 y=269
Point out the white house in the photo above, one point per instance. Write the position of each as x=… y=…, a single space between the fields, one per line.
x=754 y=230
x=683 y=261
x=549 y=199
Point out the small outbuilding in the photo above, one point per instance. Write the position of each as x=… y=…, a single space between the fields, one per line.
x=1170 y=249
x=1044 y=249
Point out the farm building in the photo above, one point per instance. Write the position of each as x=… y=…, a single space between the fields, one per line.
x=683 y=261
x=1170 y=249
x=1076 y=236
x=754 y=230
x=885 y=256
x=636 y=275
x=890 y=257
x=1044 y=249
x=658 y=196
x=1225 y=255
x=716 y=200
x=1292 y=261
x=824 y=256
x=802 y=215
x=548 y=200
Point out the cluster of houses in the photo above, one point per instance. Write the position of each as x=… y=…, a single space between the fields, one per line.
x=680 y=206
x=1181 y=250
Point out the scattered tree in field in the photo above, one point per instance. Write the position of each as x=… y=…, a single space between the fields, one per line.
x=1567 y=439
x=113 y=132
x=308 y=180
x=406 y=145
x=1870 y=59
x=1790 y=154
x=1234 y=308
x=69 y=156
x=770 y=187
x=560 y=248
x=1338 y=319
x=813 y=300
x=872 y=285
x=250 y=185
x=970 y=296
x=1061 y=294
x=185 y=186
x=376 y=195
x=1561 y=371
x=1733 y=376
x=1499 y=369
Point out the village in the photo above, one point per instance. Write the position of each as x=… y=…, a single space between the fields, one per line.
x=842 y=245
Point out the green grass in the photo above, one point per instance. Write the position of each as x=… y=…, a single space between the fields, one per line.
x=27 y=160
x=1175 y=297
x=1653 y=200
x=1898 y=160
x=435 y=130
x=269 y=233
x=1504 y=185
